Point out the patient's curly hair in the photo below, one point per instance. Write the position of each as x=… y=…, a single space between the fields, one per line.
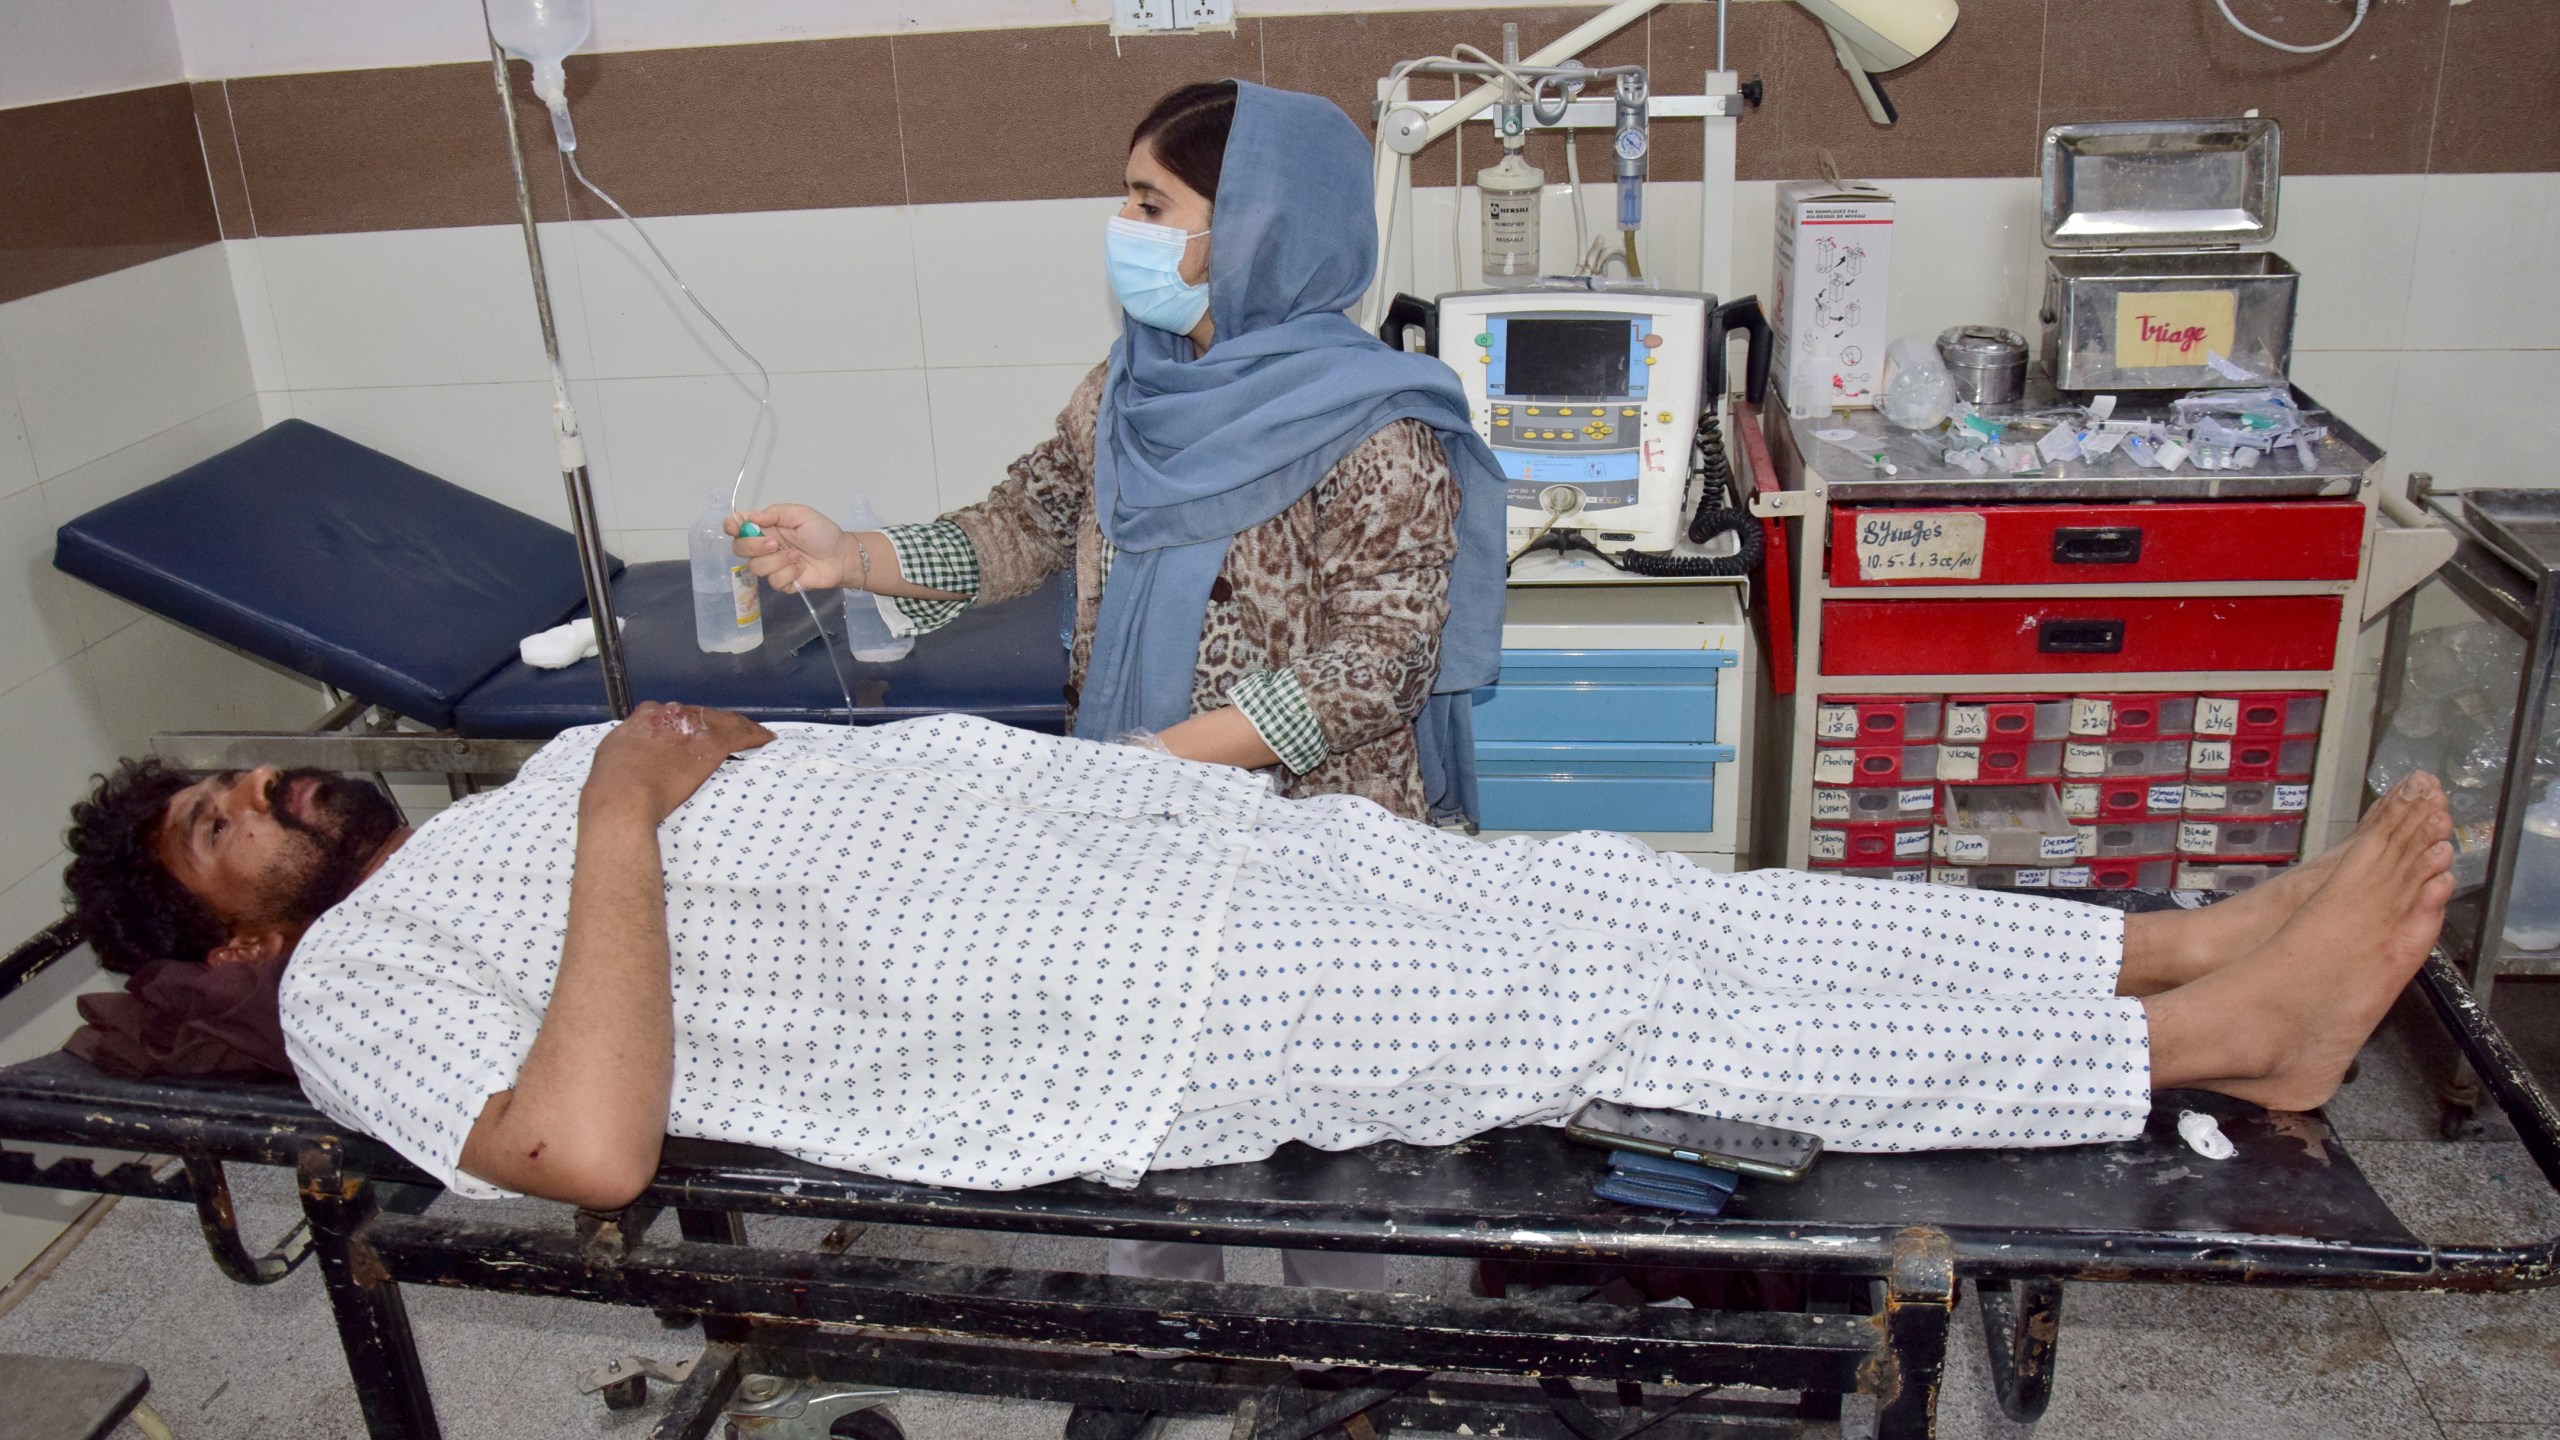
x=128 y=905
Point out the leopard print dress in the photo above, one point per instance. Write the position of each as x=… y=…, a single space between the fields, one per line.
x=1345 y=591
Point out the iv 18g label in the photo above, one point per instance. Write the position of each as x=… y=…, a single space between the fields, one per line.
x=1920 y=545
x=1836 y=722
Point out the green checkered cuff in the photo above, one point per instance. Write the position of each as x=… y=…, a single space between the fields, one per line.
x=939 y=556
x=1277 y=705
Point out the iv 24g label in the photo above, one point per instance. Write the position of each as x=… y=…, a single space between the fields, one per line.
x=1909 y=545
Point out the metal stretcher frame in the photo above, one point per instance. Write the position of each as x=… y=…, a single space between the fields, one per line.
x=820 y=1325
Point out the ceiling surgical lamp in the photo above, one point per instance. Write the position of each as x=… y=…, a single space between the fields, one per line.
x=1873 y=36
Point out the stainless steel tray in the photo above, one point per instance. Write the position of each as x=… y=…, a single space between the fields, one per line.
x=2523 y=526
x=2161 y=184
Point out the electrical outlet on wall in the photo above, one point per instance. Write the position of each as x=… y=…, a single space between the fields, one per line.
x=1142 y=17
x=1158 y=17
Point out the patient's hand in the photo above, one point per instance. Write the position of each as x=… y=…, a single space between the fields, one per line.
x=654 y=761
x=800 y=549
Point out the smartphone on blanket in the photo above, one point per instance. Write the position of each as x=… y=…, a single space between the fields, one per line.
x=1762 y=1150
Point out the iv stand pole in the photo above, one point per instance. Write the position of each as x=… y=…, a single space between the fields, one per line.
x=573 y=452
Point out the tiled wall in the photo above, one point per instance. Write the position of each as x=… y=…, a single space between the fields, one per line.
x=105 y=385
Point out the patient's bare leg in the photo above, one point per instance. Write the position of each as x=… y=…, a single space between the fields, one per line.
x=2168 y=949
x=2279 y=1025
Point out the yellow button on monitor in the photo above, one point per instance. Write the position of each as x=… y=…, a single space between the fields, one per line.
x=1648 y=359
x=1664 y=417
x=1533 y=409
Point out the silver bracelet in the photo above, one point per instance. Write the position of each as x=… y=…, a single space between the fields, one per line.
x=864 y=552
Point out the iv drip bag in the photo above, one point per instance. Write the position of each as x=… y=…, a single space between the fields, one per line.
x=542 y=33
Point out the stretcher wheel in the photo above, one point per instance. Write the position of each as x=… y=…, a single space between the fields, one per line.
x=872 y=1424
x=2460 y=1122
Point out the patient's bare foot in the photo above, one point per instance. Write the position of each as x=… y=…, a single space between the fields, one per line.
x=2280 y=1025
x=2175 y=947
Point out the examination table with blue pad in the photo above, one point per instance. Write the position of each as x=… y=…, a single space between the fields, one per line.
x=407 y=594
x=797 y=1338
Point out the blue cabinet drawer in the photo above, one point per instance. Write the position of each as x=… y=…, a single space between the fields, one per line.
x=1548 y=786
x=1616 y=696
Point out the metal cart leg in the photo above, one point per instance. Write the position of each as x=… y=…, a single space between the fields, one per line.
x=2020 y=1321
x=373 y=1324
x=1919 y=1302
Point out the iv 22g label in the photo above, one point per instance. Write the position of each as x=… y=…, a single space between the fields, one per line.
x=1920 y=545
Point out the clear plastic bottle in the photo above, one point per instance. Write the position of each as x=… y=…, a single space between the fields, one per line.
x=542 y=33
x=2533 y=904
x=866 y=634
x=728 y=608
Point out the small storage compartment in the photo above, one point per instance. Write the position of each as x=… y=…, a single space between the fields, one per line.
x=2125 y=798
x=2253 y=759
x=2260 y=714
x=2225 y=879
x=2133 y=717
x=2122 y=839
x=2004 y=762
x=2241 y=839
x=2125 y=758
x=2247 y=799
x=2061 y=636
x=1845 y=804
x=1879 y=843
x=1973 y=719
x=2004 y=825
x=1874 y=764
x=1875 y=719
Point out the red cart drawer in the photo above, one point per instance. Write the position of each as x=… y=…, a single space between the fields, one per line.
x=2097 y=544
x=2029 y=637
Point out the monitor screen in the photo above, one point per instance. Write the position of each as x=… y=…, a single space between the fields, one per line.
x=1564 y=359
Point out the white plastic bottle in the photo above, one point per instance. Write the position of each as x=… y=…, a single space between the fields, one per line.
x=2533 y=904
x=728 y=608
x=866 y=634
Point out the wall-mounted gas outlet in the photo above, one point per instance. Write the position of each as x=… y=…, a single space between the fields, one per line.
x=1159 y=17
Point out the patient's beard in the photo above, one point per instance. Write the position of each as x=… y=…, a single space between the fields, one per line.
x=348 y=824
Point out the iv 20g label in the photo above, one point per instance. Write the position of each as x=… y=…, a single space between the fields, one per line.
x=1920 y=545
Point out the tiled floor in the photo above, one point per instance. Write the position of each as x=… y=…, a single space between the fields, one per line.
x=229 y=1363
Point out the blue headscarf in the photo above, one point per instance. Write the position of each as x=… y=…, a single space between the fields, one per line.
x=1190 y=452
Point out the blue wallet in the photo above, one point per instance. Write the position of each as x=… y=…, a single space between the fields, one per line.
x=1637 y=1179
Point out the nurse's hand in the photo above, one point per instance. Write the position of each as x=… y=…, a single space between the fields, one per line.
x=800 y=549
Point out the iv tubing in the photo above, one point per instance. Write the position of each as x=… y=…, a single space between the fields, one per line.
x=764 y=377
x=573 y=464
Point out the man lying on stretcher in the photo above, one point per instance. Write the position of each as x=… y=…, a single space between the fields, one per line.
x=950 y=952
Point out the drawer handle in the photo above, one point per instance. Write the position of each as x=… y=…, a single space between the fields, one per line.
x=2080 y=637
x=2097 y=545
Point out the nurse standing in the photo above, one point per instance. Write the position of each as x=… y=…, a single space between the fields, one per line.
x=1286 y=536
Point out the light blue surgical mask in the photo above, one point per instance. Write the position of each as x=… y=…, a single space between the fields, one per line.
x=1146 y=273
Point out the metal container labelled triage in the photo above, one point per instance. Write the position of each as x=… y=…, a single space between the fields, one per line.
x=2152 y=214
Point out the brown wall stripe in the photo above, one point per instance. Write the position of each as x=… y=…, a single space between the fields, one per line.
x=96 y=184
